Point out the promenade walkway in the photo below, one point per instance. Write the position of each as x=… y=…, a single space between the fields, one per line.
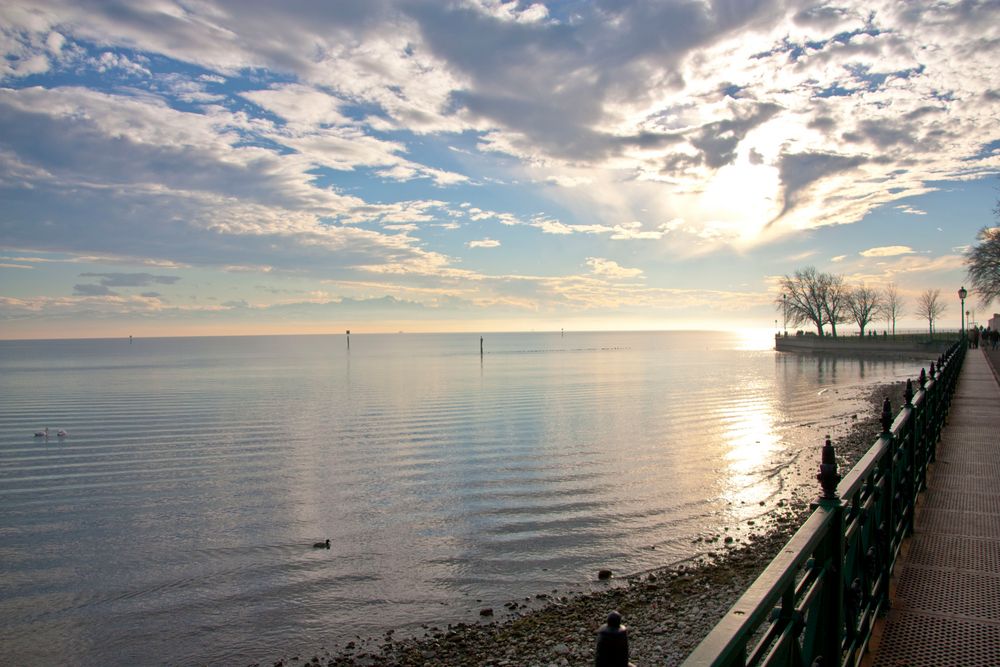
x=946 y=609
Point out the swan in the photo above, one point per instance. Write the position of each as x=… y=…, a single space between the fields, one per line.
x=42 y=434
x=61 y=433
x=322 y=545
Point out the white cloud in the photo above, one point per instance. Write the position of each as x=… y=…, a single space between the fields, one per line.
x=887 y=251
x=610 y=269
x=301 y=106
x=484 y=243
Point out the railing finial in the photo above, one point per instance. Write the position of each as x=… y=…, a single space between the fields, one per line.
x=908 y=394
x=886 y=415
x=828 y=476
x=932 y=371
x=923 y=378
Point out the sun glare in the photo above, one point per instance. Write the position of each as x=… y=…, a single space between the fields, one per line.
x=742 y=197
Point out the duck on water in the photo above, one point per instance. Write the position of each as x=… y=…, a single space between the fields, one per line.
x=45 y=433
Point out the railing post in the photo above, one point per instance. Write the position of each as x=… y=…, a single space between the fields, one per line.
x=936 y=408
x=612 y=643
x=831 y=558
x=921 y=444
x=910 y=457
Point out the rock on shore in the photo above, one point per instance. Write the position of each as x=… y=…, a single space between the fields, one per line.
x=668 y=612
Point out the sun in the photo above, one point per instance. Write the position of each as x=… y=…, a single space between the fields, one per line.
x=741 y=198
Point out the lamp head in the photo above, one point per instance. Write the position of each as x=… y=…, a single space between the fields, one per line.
x=962 y=293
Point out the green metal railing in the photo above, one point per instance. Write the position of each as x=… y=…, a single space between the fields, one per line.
x=816 y=603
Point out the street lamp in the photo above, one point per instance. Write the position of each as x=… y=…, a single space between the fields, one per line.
x=962 y=293
x=784 y=313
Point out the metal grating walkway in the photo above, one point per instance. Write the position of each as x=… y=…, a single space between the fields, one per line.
x=946 y=609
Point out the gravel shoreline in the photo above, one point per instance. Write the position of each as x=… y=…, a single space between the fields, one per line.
x=668 y=611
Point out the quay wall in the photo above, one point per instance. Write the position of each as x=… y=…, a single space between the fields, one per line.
x=908 y=346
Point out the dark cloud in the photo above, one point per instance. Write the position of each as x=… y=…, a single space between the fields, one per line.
x=131 y=279
x=800 y=170
x=92 y=290
x=899 y=134
x=552 y=83
x=718 y=141
x=822 y=16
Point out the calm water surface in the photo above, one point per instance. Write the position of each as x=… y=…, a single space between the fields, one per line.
x=174 y=524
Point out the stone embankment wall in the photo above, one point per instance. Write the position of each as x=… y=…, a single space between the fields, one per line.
x=908 y=346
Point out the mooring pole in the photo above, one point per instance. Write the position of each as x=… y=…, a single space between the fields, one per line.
x=480 y=347
x=348 y=339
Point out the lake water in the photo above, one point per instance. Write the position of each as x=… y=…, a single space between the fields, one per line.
x=175 y=523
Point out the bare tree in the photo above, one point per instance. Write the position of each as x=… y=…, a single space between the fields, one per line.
x=836 y=300
x=893 y=305
x=983 y=261
x=930 y=307
x=802 y=298
x=864 y=304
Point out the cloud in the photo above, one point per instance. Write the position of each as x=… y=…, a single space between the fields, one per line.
x=302 y=107
x=610 y=269
x=130 y=177
x=131 y=279
x=908 y=269
x=887 y=251
x=339 y=140
x=92 y=290
x=484 y=243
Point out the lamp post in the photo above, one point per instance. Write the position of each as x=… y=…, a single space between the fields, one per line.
x=784 y=313
x=962 y=293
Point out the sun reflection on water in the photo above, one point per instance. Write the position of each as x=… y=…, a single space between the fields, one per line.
x=754 y=339
x=752 y=443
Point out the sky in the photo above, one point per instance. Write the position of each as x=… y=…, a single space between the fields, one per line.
x=205 y=167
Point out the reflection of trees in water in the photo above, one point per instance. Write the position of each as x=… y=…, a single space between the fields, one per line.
x=826 y=367
x=819 y=369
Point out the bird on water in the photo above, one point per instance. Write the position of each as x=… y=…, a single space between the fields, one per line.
x=42 y=434
x=322 y=545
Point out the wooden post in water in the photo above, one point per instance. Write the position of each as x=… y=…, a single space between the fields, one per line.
x=348 y=339
x=480 y=347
